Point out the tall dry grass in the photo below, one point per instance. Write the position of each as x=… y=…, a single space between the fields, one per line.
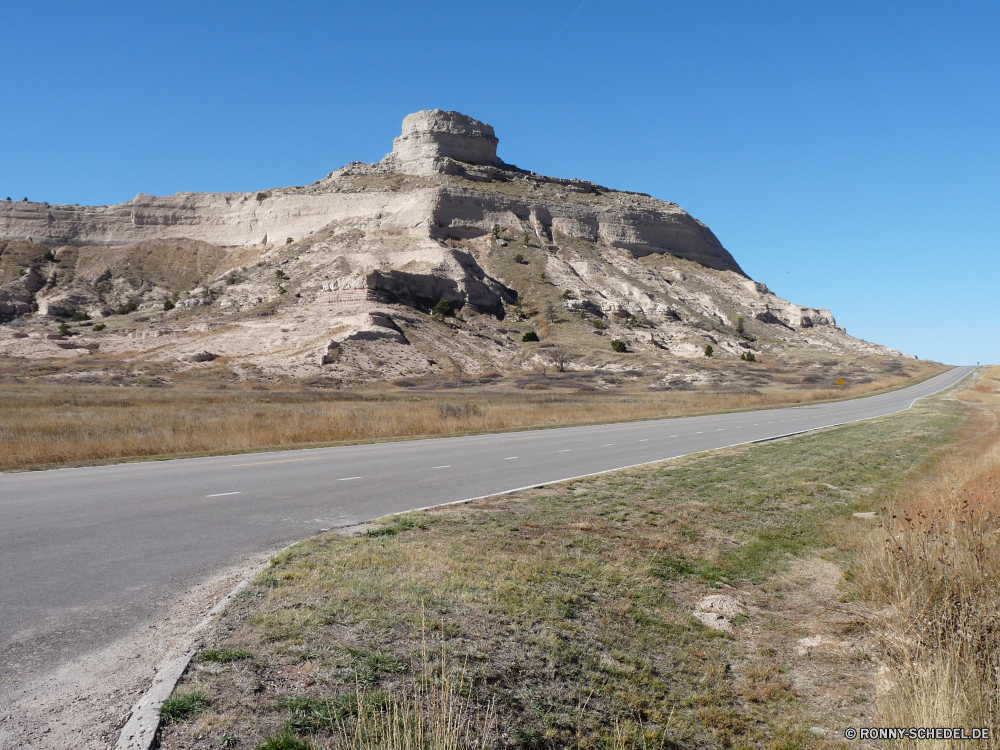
x=932 y=574
x=43 y=426
x=427 y=713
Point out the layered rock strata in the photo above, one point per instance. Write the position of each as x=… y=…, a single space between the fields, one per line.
x=434 y=145
x=340 y=275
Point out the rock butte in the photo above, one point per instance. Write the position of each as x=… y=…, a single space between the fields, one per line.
x=337 y=277
x=432 y=143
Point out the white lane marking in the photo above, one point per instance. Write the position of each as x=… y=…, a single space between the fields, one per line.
x=565 y=450
x=672 y=436
x=284 y=461
x=442 y=467
x=510 y=458
x=606 y=445
x=644 y=440
x=698 y=432
x=344 y=479
x=721 y=429
x=223 y=494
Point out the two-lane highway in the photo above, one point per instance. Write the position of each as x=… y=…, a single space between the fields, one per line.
x=88 y=554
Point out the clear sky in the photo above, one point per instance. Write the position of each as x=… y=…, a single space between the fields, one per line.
x=846 y=153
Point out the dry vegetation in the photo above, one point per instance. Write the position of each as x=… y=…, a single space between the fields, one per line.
x=931 y=573
x=561 y=617
x=44 y=425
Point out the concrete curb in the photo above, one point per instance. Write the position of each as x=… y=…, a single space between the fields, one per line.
x=139 y=732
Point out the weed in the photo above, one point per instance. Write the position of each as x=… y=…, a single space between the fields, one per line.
x=64 y=329
x=184 y=706
x=224 y=654
x=315 y=715
x=286 y=740
x=398 y=524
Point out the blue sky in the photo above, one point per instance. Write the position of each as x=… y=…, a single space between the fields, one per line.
x=845 y=153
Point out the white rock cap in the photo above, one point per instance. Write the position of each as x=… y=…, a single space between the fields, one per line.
x=434 y=134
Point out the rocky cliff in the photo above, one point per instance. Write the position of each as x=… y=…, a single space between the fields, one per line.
x=340 y=276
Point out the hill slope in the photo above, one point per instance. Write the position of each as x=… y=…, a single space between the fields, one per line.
x=338 y=280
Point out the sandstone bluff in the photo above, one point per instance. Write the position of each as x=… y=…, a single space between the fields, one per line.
x=338 y=279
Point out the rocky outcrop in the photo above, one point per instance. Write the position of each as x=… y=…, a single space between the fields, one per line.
x=341 y=274
x=17 y=297
x=439 y=207
x=433 y=137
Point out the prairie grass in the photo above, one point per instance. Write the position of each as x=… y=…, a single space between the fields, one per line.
x=931 y=573
x=559 y=616
x=43 y=426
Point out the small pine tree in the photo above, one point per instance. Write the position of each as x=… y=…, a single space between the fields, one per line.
x=496 y=231
x=530 y=336
x=168 y=305
x=619 y=346
x=740 y=328
x=709 y=351
x=441 y=310
x=279 y=274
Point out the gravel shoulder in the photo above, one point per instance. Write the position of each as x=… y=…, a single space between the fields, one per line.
x=84 y=703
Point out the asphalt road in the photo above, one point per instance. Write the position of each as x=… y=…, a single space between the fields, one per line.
x=88 y=554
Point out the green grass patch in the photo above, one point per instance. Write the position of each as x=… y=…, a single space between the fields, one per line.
x=183 y=706
x=285 y=740
x=224 y=654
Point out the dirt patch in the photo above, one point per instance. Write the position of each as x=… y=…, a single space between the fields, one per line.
x=84 y=704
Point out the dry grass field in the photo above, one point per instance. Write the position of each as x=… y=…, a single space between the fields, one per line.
x=47 y=425
x=931 y=575
x=562 y=617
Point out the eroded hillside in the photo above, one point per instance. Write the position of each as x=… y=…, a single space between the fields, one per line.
x=439 y=260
